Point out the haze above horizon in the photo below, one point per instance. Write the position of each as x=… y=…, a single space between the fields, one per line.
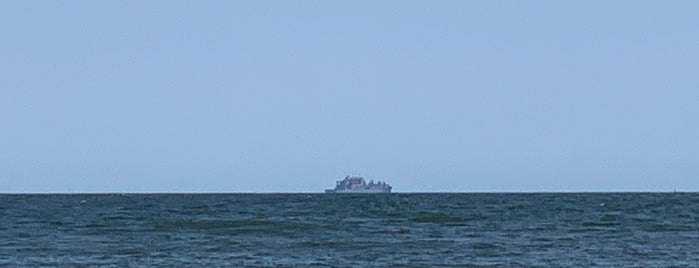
x=449 y=96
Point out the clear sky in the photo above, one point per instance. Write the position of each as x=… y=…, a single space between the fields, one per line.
x=289 y=96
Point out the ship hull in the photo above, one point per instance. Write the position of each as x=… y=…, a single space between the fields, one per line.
x=362 y=191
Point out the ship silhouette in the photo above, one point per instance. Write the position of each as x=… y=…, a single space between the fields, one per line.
x=359 y=185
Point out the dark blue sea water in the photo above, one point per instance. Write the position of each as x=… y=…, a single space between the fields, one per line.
x=478 y=230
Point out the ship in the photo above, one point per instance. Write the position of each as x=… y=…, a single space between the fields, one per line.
x=352 y=185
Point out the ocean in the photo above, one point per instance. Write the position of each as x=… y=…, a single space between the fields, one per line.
x=422 y=230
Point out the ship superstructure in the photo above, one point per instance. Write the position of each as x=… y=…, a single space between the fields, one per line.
x=358 y=185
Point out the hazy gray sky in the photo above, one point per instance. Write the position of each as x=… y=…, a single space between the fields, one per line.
x=229 y=96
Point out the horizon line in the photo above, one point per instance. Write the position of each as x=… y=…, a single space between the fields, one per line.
x=274 y=192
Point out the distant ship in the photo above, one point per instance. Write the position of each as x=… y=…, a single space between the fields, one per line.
x=358 y=185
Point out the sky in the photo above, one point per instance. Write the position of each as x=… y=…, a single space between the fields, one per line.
x=290 y=96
